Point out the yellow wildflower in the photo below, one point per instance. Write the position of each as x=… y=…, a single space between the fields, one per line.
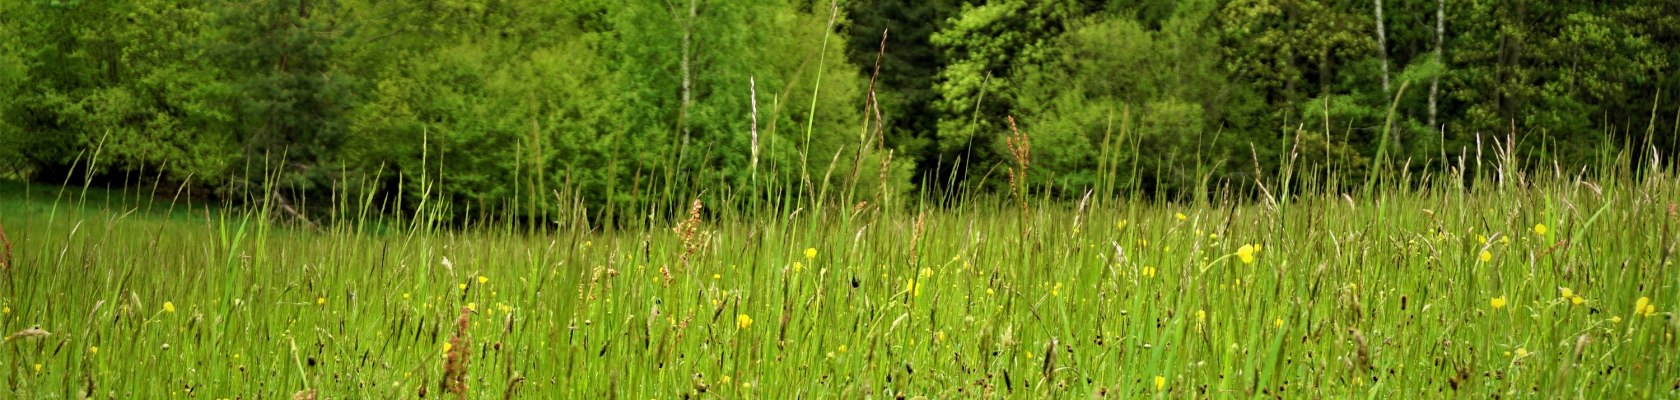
x=717 y=276
x=1522 y=352
x=1278 y=323
x=320 y=301
x=1481 y=239
x=798 y=267
x=446 y=347
x=1201 y=315
x=743 y=321
x=1566 y=293
x=842 y=348
x=1121 y=225
x=1540 y=229
x=1246 y=253
x=910 y=286
x=6 y=310
x=1161 y=381
x=168 y=307
x=1616 y=319
x=1486 y=256
x=1643 y=307
x=1497 y=302
x=927 y=272
x=483 y=279
x=1180 y=216
x=463 y=287
x=37 y=368
x=810 y=253
x=93 y=349
x=1149 y=272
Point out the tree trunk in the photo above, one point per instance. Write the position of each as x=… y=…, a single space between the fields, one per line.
x=1382 y=46
x=687 y=64
x=1382 y=55
x=1440 y=36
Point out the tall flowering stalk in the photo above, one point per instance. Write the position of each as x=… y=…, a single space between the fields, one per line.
x=455 y=357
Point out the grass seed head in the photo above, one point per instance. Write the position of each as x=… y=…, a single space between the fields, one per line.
x=30 y=333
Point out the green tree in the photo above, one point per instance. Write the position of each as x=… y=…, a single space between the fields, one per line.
x=491 y=112
x=908 y=66
x=128 y=79
x=1558 y=76
x=293 y=90
x=984 y=46
x=1155 y=122
x=785 y=52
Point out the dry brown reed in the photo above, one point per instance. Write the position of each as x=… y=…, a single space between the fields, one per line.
x=688 y=230
x=455 y=359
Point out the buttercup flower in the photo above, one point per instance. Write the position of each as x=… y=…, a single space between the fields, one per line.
x=1246 y=253
x=1644 y=308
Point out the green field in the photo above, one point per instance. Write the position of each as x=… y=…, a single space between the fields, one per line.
x=1544 y=287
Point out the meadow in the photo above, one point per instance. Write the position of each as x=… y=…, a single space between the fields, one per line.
x=1494 y=285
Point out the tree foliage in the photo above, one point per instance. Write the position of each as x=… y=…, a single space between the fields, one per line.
x=510 y=107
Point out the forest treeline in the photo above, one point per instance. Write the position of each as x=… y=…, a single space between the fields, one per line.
x=501 y=105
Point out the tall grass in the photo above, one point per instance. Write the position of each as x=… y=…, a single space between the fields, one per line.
x=1389 y=291
x=1488 y=278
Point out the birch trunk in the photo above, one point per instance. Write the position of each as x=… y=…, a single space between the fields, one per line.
x=1440 y=36
x=1382 y=54
x=687 y=62
x=1382 y=45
